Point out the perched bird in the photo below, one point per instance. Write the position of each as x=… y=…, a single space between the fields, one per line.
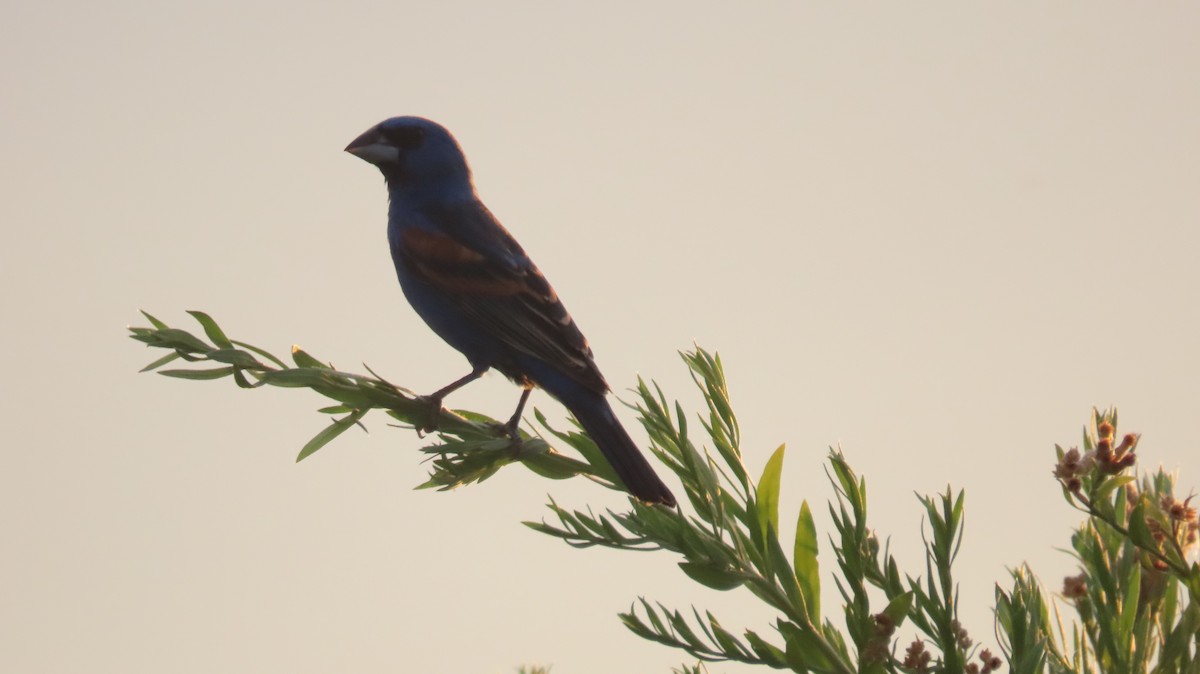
x=471 y=282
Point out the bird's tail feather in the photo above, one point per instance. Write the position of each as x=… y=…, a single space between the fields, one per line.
x=598 y=419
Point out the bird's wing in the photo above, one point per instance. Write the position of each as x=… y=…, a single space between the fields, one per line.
x=477 y=264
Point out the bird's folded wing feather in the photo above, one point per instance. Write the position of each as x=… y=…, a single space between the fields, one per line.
x=479 y=266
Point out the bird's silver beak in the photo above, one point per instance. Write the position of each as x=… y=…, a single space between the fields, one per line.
x=371 y=147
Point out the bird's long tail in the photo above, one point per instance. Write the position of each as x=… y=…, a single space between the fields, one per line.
x=597 y=418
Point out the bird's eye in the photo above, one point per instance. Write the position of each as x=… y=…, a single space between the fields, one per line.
x=407 y=137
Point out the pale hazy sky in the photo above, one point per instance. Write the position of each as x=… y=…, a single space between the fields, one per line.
x=936 y=233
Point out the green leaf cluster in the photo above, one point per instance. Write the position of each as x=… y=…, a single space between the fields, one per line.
x=1135 y=601
x=471 y=447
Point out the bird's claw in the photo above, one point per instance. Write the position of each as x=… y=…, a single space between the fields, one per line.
x=512 y=432
x=508 y=430
x=433 y=411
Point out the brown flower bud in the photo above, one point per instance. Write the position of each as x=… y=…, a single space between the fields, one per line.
x=1128 y=443
x=1075 y=587
x=915 y=657
x=990 y=662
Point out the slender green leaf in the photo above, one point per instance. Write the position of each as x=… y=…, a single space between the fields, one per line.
x=804 y=559
x=302 y=359
x=214 y=373
x=804 y=651
x=261 y=352
x=1129 y=606
x=679 y=624
x=1111 y=484
x=898 y=608
x=708 y=576
x=336 y=409
x=242 y=382
x=1139 y=531
x=154 y=321
x=160 y=362
x=297 y=378
x=770 y=654
x=234 y=357
x=729 y=644
x=768 y=493
x=211 y=329
x=330 y=432
x=182 y=339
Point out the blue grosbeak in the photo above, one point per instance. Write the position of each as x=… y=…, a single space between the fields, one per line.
x=467 y=277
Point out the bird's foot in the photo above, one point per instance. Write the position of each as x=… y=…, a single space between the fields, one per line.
x=433 y=411
x=507 y=429
x=512 y=431
x=512 y=428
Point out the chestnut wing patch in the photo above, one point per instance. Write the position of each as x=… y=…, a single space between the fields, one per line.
x=512 y=302
x=440 y=260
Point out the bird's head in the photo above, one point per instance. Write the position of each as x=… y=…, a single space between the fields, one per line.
x=412 y=152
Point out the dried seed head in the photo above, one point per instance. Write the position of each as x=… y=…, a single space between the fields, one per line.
x=884 y=625
x=1068 y=466
x=1075 y=587
x=1179 y=511
x=916 y=658
x=1128 y=443
x=990 y=662
x=960 y=634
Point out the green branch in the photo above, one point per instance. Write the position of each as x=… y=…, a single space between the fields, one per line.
x=1136 y=598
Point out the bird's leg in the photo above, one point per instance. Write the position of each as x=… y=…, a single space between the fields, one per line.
x=456 y=384
x=515 y=420
x=435 y=399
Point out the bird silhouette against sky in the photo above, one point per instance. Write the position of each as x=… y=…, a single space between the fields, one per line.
x=473 y=284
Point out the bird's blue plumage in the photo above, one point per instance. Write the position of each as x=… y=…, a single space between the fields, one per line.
x=473 y=284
